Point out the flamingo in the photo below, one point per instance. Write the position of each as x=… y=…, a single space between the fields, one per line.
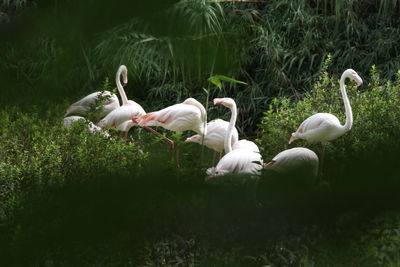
x=214 y=139
x=242 y=160
x=83 y=106
x=216 y=132
x=188 y=115
x=324 y=127
x=120 y=117
x=295 y=159
x=68 y=122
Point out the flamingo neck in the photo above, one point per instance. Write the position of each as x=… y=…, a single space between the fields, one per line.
x=347 y=107
x=229 y=134
x=121 y=90
x=203 y=113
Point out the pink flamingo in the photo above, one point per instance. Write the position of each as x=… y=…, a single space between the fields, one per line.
x=188 y=115
x=241 y=160
x=82 y=107
x=120 y=117
x=324 y=127
x=295 y=159
x=214 y=139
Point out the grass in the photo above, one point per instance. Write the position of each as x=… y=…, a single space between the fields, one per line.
x=149 y=213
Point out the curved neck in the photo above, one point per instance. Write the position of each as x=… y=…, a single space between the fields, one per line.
x=347 y=107
x=203 y=128
x=229 y=134
x=120 y=88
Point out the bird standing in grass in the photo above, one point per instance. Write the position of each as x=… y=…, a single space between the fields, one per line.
x=120 y=118
x=215 y=137
x=188 y=115
x=324 y=127
x=242 y=160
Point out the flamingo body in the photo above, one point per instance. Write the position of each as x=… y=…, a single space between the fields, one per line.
x=243 y=143
x=82 y=106
x=238 y=161
x=69 y=121
x=189 y=115
x=295 y=159
x=216 y=132
x=120 y=117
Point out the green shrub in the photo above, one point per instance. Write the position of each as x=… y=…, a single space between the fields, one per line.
x=36 y=151
x=376 y=109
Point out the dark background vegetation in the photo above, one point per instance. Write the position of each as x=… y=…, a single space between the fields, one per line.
x=69 y=198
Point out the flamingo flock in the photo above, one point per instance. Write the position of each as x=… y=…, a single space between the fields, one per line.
x=241 y=156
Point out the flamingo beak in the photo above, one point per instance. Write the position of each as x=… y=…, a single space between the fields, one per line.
x=358 y=80
x=218 y=101
x=134 y=120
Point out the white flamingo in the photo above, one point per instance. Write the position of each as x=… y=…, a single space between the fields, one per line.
x=295 y=159
x=120 y=118
x=324 y=127
x=83 y=106
x=69 y=121
x=241 y=160
x=215 y=137
x=188 y=115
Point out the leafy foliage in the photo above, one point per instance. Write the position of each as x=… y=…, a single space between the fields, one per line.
x=36 y=151
x=375 y=111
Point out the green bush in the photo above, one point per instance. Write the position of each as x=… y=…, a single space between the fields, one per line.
x=376 y=109
x=36 y=151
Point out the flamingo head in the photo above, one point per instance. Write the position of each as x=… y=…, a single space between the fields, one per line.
x=194 y=139
x=226 y=101
x=354 y=75
x=135 y=120
x=122 y=70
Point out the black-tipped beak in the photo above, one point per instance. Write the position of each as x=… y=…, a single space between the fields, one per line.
x=124 y=84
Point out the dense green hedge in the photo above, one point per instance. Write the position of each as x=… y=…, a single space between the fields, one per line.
x=36 y=151
x=375 y=105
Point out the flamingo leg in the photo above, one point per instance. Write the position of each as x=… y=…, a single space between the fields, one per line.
x=220 y=155
x=305 y=144
x=125 y=135
x=321 y=162
x=171 y=143
x=214 y=156
x=177 y=156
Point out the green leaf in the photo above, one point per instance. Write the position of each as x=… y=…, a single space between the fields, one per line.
x=216 y=80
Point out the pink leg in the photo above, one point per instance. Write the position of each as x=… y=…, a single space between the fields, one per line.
x=177 y=156
x=125 y=135
x=171 y=143
x=220 y=155
x=215 y=155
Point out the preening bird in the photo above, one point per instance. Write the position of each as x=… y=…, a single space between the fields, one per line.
x=244 y=143
x=298 y=159
x=188 y=115
x=120 y=118
x=215 y=137
x=241 y=160
x=83 y=106
x=69 y=121
x=324 y=127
